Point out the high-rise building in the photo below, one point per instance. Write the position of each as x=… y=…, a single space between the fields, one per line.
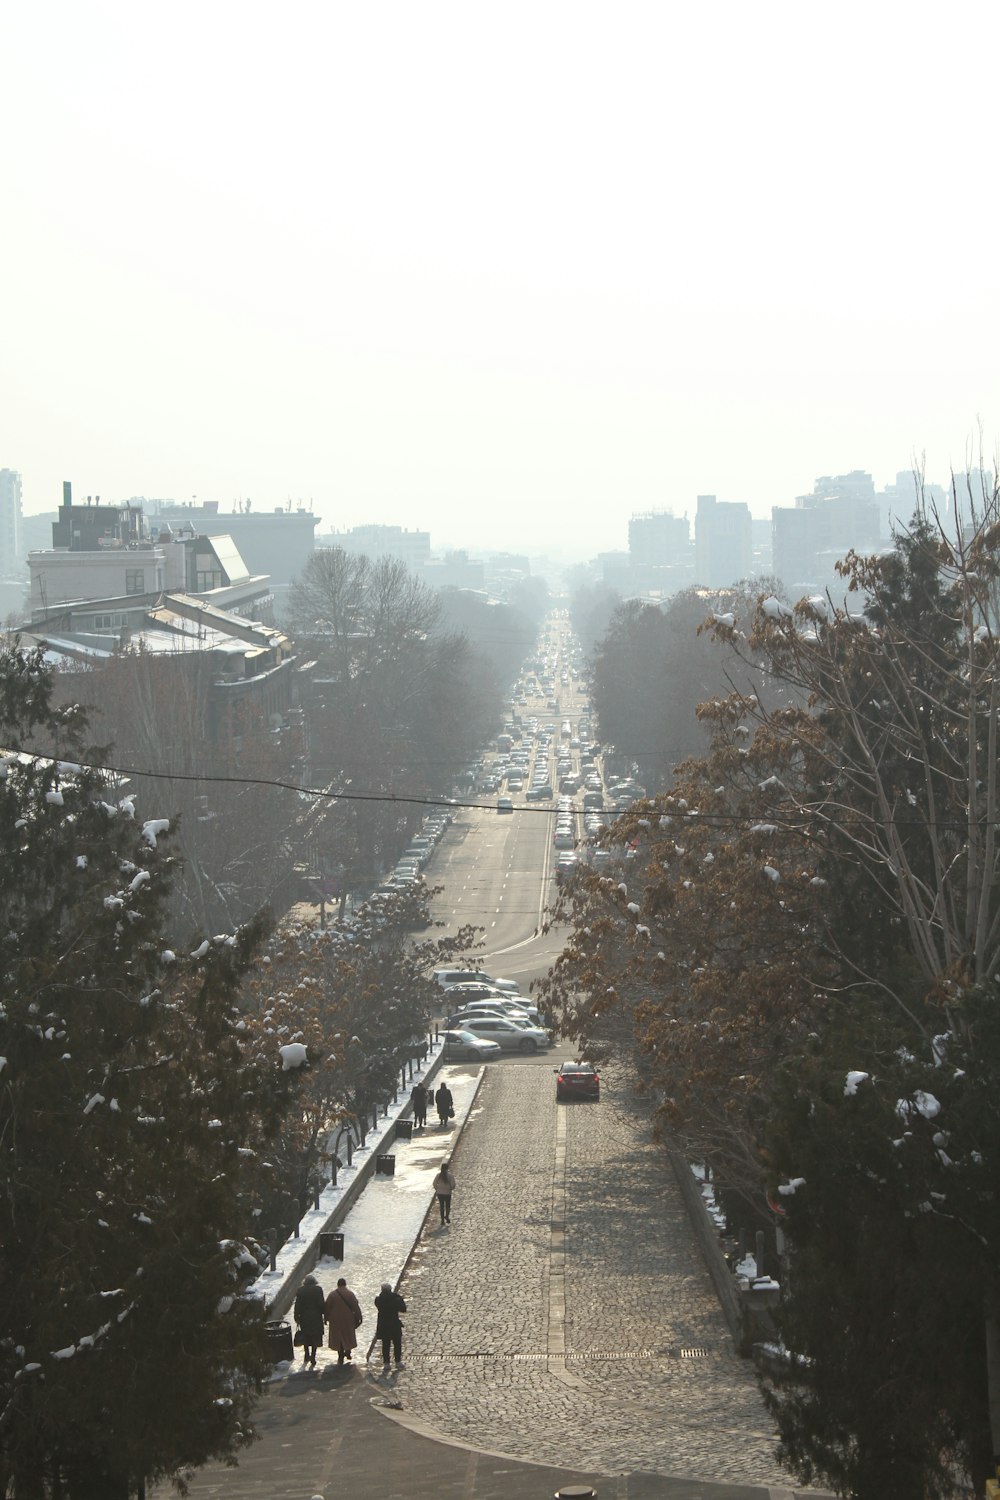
x=377 y=541
x=11 y=561
x=723 y=542
x=841 y=513
x=659 y=539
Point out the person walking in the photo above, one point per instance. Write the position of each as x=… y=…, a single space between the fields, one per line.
x=308 y=1314
x=344 y=1316
x=418 y=1098
x=389 y=1328
x=445 y=1103
x=444 y=1186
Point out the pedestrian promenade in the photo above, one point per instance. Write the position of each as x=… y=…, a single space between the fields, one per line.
x=561 y=1331
x=382 y=1227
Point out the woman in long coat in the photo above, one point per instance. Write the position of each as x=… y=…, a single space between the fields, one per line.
x=308 y=1315
x=343 y=1314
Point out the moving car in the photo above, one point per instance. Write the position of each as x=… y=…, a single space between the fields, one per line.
x=461 y=1043
x=505 y=804
x=577 y=1080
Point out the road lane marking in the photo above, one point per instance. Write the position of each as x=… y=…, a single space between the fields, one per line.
x=556 y=1332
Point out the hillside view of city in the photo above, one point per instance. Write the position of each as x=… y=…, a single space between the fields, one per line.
x=499 y=751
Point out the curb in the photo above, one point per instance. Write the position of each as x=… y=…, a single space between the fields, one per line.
x=279 y=1301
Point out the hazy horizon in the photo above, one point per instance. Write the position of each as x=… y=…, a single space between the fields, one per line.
x=507 y=277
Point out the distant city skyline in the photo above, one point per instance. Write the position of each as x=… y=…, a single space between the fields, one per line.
x=562 y=548
x=507 y=278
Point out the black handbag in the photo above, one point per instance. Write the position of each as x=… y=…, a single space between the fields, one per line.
x=299 y=1338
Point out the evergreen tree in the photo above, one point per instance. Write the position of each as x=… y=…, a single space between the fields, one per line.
x=893 y=1221
x=132 y=1108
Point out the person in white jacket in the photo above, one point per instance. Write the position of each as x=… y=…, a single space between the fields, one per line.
x=444 y=1186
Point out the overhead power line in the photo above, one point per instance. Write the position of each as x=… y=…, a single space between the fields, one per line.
x=792 y=821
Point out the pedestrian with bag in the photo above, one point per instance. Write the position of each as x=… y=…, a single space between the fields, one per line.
x=418 y=1098
x=445 y=1103
x=308 y=1314
x=389 y=1328
x=344 y=1316
x=444 y=1186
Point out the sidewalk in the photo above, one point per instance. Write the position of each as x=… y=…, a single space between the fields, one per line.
x=382 y=1226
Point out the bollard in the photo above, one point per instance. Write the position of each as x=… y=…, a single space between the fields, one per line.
x=350 y=1150
x=319 y=1189
x=272 y=1243
x=759 y=1253
x=333 y=1170
x=741 y=1247
x=374 y=1116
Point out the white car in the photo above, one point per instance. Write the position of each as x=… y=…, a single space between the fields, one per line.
x=461 y=1043
x=506 y=1005
x=446 y=977
x=510 y=1036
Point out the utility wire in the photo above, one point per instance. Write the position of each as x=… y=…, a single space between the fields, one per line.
x=794 y=822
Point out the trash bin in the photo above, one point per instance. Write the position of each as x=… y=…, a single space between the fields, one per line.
x=331 y=1243
x=386 y=1165
x=279 y=1342
x=404 y=1130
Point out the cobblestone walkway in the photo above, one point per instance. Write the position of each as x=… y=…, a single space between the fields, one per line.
x=566 y=1315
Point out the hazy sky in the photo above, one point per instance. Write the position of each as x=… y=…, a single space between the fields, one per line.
x=504 y=272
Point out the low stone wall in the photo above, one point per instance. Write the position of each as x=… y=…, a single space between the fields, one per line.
x=725 y=1286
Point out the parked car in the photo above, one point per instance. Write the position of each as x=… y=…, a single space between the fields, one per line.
x=517 y=1009
x=510 y=1036
x=457 y=1020
x=447 y=977
x=474 y=990
x=465 y=1044
x=577 y=1080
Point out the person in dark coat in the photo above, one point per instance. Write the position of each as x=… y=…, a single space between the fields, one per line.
x=418 y=1098
x=343 y=1314
x=445 y=1104
x=389 y=1328
x=308 y=1314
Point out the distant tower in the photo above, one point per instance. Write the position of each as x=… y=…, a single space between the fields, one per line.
x=11 y=561
x=723 y=539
